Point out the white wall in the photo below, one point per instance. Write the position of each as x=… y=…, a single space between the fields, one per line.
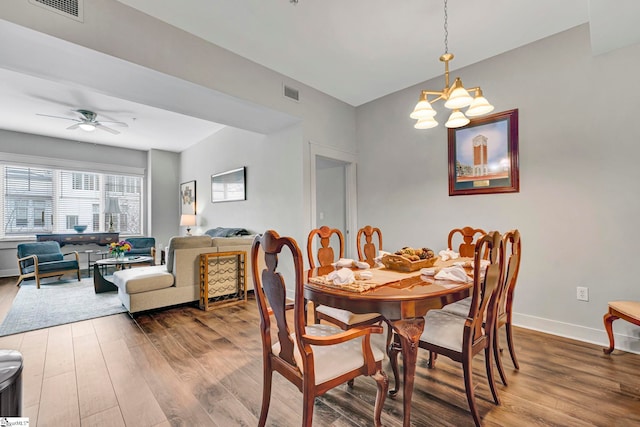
x=162 y=199
x=577 y=208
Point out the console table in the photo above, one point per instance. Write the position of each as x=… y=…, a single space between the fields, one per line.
x=102 y=239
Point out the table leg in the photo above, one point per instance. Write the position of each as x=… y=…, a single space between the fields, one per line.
x=100 y=284
x=409 y=331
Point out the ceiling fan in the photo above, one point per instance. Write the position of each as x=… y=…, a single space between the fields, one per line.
x=87 y=122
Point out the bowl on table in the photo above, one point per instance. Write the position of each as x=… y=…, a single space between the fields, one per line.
x=80 y=228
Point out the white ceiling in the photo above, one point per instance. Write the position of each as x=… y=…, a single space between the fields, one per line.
x=354 y=50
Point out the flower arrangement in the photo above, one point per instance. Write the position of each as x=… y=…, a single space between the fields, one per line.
x=118 y=249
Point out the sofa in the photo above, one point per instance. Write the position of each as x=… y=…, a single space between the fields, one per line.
x=178 y=281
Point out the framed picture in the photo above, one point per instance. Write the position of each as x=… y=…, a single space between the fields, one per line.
x=483 y=156
x=188 y=198
x=229 y=186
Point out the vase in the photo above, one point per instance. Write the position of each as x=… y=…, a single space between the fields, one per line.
x=120 y=256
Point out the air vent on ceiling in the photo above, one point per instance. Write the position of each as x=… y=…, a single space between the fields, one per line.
x=291 y=93
x=70 y=8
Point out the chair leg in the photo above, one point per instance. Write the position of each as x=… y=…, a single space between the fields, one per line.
x=79 y=275
x=512 y=349
x=467 y=370
x=392 y=351
x=431 y=364
x=38 y=282
x=497 y=356
x=266 y=393
x=382 y=382
x=489 y=366
x=308 y=401
x=608 y=326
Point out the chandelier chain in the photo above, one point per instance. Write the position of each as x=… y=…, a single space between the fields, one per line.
x=446 y=29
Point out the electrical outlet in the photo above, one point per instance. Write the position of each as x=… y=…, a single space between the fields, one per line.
x=582 y=293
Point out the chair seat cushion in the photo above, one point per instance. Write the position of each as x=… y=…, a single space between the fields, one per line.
x=459 y=308
x=630 y=308
x=346 y=316
x=325 y=356
x=46 y=267
x=143 y=279
x=443 y=329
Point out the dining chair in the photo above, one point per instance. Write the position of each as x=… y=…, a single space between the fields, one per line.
x=625 y=310
x=461 y=338
x=307 y=355
x=367 y=252
x=466 y=236
x=324 y=256
x=513 y=251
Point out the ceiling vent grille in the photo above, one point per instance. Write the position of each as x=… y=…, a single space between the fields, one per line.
x=70 y=8
x=291 y=93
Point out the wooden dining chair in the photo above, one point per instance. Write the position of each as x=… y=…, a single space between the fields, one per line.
x=625 y=310
x=513 y=253
x=460 y=338
x=463 y=239
x=367 y=252
x=324 y=256
x=307 y=355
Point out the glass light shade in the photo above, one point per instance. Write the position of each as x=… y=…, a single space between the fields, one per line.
x=456 y=120
x=458 y=97
x=479 y=106
x=87 y=127
x=423 y=110
x=426 y=123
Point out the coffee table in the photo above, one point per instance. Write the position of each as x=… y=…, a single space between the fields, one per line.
x=100 y=283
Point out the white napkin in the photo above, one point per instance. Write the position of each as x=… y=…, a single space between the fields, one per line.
x=484 y=263
x=344 y=262
x=428 y=271
x=378 y=259
x=362 y=265
x=364 y=275
x=455 y=274
x=344 y=276
x=448 y=254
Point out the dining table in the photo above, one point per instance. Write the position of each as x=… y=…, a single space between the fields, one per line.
x=402 y=298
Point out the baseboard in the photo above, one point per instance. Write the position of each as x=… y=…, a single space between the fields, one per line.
x=9 y=272
x=577 y=332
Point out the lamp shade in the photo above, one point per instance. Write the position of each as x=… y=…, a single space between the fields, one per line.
x=479 y=106
x=456 y=120
x=89 y=127
x=458 y=96
x=187 y=220
x=423 y=109
x=426 y=123
x=111 y=206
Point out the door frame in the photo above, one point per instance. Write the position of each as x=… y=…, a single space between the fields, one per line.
x=351 y=194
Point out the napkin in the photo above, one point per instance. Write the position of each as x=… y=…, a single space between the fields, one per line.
x=364 y=275
x=378 y=259
x=484 y=263
x=344 y=262
x=428 y=271
x=455 y=274
x=343 y=276
x=448 y=254
x=362 y=265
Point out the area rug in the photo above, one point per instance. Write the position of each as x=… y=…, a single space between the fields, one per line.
x=57 y=303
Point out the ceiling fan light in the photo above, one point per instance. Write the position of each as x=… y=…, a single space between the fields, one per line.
x=423 y=110
x=457 y=119
x=89 y=127
x=426 y=123
x=458 y=96
x=479 y=106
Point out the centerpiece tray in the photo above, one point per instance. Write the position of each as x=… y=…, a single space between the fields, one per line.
x=400 y=263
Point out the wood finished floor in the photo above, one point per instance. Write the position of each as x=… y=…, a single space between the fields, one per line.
x=186 y=367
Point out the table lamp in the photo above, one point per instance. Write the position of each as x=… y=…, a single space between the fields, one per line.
x=188 y=221
x=111 y=207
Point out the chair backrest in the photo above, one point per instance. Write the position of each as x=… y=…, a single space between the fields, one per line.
x=46 y=251
x=486 y=287
x=325 y=254
x=141 y=245
x=512 y=253
x=468 y=236
x=271 y=293
x=368 y=251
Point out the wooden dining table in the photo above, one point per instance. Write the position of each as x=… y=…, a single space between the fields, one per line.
x=403 y=299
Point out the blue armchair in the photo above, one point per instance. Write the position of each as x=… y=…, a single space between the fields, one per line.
x=145 y=246
x=44 y=259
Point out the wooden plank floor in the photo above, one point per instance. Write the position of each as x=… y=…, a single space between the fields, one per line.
x=186 y=367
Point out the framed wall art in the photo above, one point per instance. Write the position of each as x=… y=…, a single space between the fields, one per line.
x=188 y=198
x=229 y=186
x=483 y=156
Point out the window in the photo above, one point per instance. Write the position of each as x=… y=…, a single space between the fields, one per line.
x=40 y=200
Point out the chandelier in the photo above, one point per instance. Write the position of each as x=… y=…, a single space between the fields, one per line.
x=456 y=97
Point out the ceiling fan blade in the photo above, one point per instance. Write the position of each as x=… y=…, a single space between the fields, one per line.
x=74 y=126
x=56 y=117
x=103 y=127
x=123 y=124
